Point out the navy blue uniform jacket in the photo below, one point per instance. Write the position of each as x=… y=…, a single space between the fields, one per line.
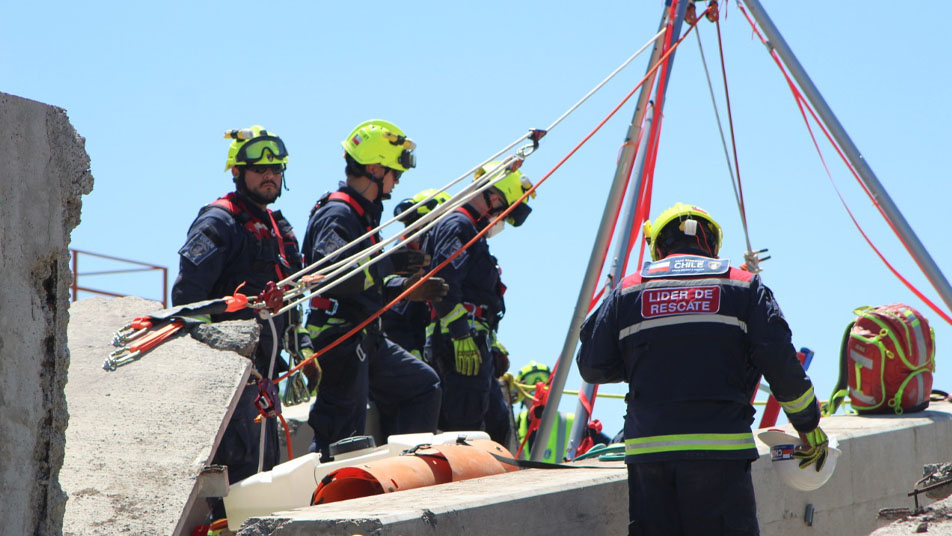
x=692 y=337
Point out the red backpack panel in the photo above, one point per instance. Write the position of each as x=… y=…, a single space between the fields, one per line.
x=886 y=361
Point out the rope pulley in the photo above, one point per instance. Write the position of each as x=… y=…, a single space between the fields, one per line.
x=535 y=134
x=752 y=260
x=711 y=13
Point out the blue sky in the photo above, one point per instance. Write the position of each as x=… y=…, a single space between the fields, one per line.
x=153 y=86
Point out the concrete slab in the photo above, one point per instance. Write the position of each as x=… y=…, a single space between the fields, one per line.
x=139 y=436
x=44 y=175
x=882 y=459
x=521 y=503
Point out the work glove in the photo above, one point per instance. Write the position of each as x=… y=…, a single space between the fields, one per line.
x=312 y=370
x=407 y=261
x=814 y=449
x=468 y=358
x=433 y=289
x=500 y=356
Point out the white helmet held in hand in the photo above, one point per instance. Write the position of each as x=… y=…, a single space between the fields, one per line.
x=788 y=469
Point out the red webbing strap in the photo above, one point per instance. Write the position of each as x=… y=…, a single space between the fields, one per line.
x=234 y=206
x=644 y=202
x=154 y=338
x=803 y=105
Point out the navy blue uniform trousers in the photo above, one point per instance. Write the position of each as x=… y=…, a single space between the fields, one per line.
x=405 y=390
x=691 y=498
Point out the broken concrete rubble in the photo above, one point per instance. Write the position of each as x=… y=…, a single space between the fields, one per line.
x=140 y=435
x=44 y=175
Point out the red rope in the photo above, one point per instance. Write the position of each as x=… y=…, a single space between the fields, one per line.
x=644 y=197
x=730 y=120
x=485 y=230
x=803 y=104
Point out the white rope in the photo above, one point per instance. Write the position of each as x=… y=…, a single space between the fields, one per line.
x=720 y=129
x=336 y=270
x=428 y=221
x=605 y=81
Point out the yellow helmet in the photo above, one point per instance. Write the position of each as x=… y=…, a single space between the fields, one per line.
x=534 y=373
x=380 y=142
x=683 y=213
x=512 y=186
x=254 y=145
x=421 y=210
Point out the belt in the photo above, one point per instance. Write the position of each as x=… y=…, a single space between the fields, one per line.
x=328 y=305
x=479 y=312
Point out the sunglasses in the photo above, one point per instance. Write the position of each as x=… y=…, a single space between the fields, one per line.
x=276 y=169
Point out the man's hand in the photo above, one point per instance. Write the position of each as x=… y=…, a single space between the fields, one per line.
x=814 y=450
x=312 y=370
x=433 y=289
x=407 y=261
x=468 y=358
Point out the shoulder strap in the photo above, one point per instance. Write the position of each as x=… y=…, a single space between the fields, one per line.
x=227 y=202
x=840 y=389
x=354 y=204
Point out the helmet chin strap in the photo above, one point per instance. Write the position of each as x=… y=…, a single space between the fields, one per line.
x=359 y=170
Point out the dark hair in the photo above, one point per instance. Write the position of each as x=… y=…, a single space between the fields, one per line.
x=672 y=240
x=354 y=168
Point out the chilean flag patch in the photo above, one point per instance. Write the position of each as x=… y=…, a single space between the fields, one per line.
x=658 y=267
x=356 y=139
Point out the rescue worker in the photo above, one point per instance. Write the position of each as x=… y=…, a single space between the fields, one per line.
x=555 y=452
x=237 y=244
x=461 y=338
x=367 y=366
x=692 y=336
x=405 y=323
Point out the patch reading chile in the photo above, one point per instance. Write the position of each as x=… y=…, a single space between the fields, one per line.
x=781 y=452
x=679 y=301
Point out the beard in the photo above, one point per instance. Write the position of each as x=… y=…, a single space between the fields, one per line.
x=265 y=197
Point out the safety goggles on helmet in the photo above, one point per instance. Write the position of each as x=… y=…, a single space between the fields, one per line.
x=518 y=215
x=406 y=159
x=533 y=373
x=421 y=210
x=267 y=148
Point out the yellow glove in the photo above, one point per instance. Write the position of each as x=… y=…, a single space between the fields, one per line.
x=814 y=451
x=467 y=355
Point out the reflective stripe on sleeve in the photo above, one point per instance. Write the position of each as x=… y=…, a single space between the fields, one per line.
x=456 y=313
x=682 y=319
x=682 y=442
x=800 y=403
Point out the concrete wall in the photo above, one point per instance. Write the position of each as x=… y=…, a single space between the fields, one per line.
x=44 y=173
x=882 y=460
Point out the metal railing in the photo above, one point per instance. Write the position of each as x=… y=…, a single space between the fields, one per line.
x=76 y=288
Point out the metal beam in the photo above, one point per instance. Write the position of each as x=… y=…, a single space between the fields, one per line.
x=587 y=390
x=600 y=248
x=881 y=197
